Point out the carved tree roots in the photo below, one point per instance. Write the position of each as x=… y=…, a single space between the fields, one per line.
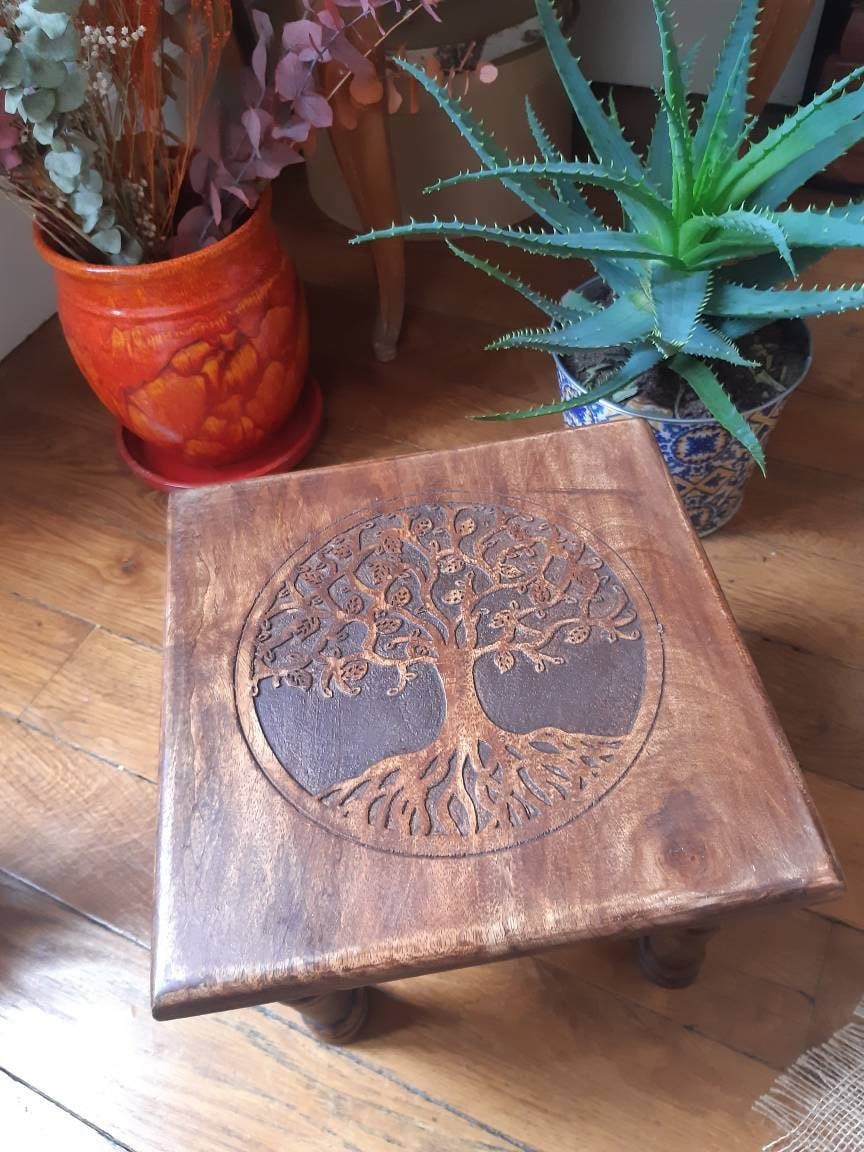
x=471 y=787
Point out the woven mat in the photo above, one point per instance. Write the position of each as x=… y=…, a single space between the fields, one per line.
x=819 y=1102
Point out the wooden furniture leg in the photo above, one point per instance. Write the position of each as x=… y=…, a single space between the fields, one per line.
x=672 y=957
x=366 y=161
x=781 y=23
x=336 y=1017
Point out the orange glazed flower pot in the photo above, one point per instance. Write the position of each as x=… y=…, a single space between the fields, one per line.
x=202 y=357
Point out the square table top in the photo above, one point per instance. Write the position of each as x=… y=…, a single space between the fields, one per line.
x=441 y=709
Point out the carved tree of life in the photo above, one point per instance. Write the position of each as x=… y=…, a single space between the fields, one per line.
x=449 y=585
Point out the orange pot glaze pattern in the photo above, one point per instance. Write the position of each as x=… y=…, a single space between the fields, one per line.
x=206 y=354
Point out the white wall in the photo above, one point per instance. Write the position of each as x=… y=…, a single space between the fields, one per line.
x=617 y=41
x=26 y=284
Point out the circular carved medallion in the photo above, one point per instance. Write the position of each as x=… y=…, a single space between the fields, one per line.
x=448 y=678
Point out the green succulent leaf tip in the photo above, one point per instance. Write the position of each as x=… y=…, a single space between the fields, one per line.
x=706 y=253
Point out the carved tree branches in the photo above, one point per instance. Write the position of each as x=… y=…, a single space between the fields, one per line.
x=398 y=591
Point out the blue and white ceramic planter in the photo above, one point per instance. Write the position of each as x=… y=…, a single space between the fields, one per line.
x=710 y=468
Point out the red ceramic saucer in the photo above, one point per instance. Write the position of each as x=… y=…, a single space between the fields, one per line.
x=161 y=469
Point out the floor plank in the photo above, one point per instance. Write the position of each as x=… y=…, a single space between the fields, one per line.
x=80 y=1031
x=557 y=1053
x=791 y=596
x=836 y=371
x=842 y=811
x=83 y=830
x=104 y=575
x=754 y=1015
x=565 y=1051
x=804 y=508
x=73 y=473
x=781 y=945
x=33 y=1124
x=105 y=699
x=34 y=644
x=841 y=986
x=827 y=735
x=823 y=433
x=75 y=1024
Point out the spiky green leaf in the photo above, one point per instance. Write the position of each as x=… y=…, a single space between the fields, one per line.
x=713 y=345
x=641 y=360
x=564 y=189
x=560 y=244
x=658 y=162
x=581 y=306
x=793 y=176
x=678 y=299
x=676 y=111
x=598 y=175
x=710 y=391
x=726 y=232
x=837 y=228
x=623 y=323
x=608 y=142
x=723 y=116
x=800 y=132
x=770 y=270
x=734 y=300
x=483 y=144
x=602 y=134
x=619 y=275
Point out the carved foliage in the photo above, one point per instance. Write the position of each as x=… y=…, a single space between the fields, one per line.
x=400 y=590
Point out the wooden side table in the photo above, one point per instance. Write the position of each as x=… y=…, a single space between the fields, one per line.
x=448 y=708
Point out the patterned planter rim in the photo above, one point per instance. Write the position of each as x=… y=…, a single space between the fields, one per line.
x=691 y=421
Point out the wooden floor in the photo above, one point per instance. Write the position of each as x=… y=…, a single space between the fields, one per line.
x=570 y=1051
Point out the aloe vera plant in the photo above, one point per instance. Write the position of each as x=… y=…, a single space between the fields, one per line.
x=708 y=247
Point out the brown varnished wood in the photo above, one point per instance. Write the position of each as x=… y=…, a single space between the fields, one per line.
x=34 y=644
x=335 y=1018
x=673 y=957
x=414 y=607
x=248 y=1080
x=81 y=829
x=105 y=698
x=698 y=809
x=464 y=1076
x=781 y=23
x=363 y=151
x=32 y=1122
x=536 y=1050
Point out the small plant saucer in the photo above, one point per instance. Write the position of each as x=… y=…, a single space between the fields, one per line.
x=161 y=469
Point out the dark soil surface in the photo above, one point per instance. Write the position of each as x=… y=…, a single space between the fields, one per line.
x=780 y=350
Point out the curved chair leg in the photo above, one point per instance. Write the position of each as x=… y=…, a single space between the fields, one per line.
x=336 y=1017
x=672 y=957
x=781 y=24
x=364 y=157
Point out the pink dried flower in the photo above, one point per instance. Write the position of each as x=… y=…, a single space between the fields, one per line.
x=10 y=138
x=282 y=107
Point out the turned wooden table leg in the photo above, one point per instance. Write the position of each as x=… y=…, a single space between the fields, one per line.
x=672 y=957
x=366 y=160
x=336 y=1017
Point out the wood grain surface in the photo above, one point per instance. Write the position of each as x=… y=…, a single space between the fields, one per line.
x=532 y=1054
x=81 y=703
x=688 y=806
